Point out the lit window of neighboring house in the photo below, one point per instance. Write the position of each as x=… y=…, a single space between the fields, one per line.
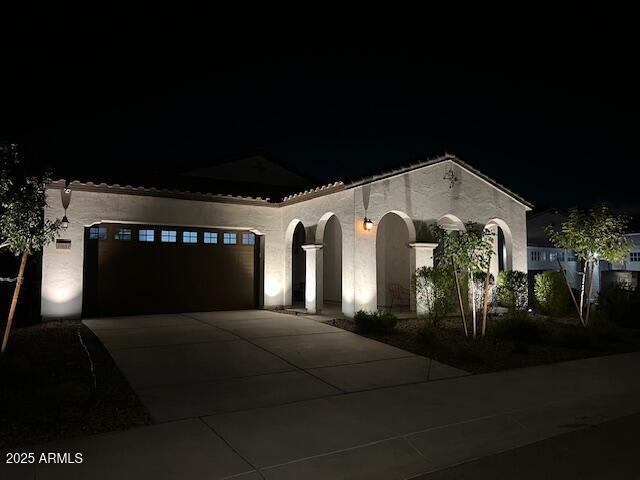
x=168 y=236
x=553 y=256
x=229 y=238
x=123 y=234
x=189 y=237
x=634 y=256
x=210 y=237
x=248 y=239
x=535 y=256
x=146 y=235
x=98 y=233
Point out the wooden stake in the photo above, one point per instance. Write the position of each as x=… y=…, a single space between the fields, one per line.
x=573 y=297
x=486 y=298
x=464 y=321
x=14 y=300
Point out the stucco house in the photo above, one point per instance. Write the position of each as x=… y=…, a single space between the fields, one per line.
x=344 y=246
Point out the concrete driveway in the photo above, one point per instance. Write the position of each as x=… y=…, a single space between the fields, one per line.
x=192 y=365
x=313 y=430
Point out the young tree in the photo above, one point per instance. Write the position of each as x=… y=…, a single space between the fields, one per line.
x=470 y=252
x=23 y=229
x=594 y=235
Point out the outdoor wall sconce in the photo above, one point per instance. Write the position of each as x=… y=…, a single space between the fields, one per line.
x=66 y=198
x=368 y=223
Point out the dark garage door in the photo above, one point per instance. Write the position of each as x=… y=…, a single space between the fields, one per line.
x=140 y=269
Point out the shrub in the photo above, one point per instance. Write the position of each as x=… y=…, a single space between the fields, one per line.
x=513 y=290
x=375 y=322
x=518 y=328
x=551 y=294
x=619 y=303
x=435 y=289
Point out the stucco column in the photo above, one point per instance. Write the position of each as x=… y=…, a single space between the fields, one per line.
x=313 y=295
x=424 y=258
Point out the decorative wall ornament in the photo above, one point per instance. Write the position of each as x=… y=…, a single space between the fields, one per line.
x=451 y=176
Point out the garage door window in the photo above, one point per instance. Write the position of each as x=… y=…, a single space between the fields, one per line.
x=248 y=239
x=210 y=237
x=146 y=235
x=229 y=238
x=168 y=236
x=123 y=234
x=98 y=233
x=189 y=237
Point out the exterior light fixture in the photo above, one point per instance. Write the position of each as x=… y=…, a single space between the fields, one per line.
x=368 y=223
x=66 y=199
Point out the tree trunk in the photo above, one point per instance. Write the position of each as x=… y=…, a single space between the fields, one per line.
x=593 y=267
x=455 y=276
x=14 y=300
x=474 y=313
x=486 y=298
x=584 y=277
x=573 y=297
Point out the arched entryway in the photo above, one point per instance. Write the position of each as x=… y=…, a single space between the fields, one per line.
x=295 y=264
x=329 y=235
x=502 y=258
x=395 y=232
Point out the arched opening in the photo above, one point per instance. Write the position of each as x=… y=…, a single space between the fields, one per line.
x=502 y=246
x=298 y=266
x=295 y=263
x=329 y=235
x=451 y=223
x=395 y=232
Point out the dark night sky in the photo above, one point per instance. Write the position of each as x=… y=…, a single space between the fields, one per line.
x=556 y=123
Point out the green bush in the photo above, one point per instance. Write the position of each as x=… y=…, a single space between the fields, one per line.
x=435 y=289
x=620 y=303
x=513 y=290
x=518 y=328
x=375 y=322
x=551 y=294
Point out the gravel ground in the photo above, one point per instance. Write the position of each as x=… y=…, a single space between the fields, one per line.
x=47 y=391
x=562 y=339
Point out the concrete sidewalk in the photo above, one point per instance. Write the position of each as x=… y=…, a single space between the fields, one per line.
x=387 y=433
x=607 y=450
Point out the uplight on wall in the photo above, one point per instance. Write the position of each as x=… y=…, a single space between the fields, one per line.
x=368 y=223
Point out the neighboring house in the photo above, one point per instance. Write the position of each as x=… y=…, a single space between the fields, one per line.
x=628 y=271
x=542 y=255
x=344 y=246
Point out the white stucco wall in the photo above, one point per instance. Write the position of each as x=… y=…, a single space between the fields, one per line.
x=62 y=269
x=420 y=197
